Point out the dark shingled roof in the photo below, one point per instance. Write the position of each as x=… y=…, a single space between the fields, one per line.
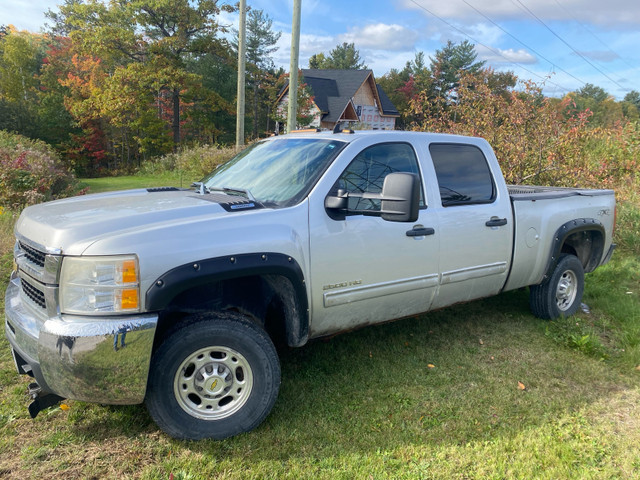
x=322 y=89
x=334 y=89
x=388 y=108
x=347 y=83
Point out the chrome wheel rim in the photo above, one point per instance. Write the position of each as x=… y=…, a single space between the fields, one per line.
x=567 y=290
x=213 y=383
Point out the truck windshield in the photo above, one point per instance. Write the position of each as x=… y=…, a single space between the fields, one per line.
x=278 y=172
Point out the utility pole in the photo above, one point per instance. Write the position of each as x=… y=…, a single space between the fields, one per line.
x=292 y=112
x=242 y=35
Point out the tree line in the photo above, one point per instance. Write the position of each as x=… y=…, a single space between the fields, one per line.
x=111 y=84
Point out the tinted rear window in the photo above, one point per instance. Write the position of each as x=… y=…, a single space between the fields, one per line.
x=463 y=174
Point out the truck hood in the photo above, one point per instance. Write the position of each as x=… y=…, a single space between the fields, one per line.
x=71 y=225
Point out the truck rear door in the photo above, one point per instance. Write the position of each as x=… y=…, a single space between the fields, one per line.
x=475 y=222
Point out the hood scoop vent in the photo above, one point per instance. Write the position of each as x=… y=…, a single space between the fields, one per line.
x=230 y=203
x=164 y=189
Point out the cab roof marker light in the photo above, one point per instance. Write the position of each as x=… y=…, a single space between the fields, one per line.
x=306 y=130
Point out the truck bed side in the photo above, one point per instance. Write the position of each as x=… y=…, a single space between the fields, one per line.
x=551 y=220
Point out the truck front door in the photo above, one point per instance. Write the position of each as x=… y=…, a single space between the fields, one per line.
x=365 y=269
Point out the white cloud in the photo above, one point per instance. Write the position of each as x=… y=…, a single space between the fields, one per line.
x=601 y=55
x=309 y=45
x=381 y=46
x=485 y=33
x=498 y=55
x=380 y=36
x=26 y=14
x=621 y=13
x=382 y=62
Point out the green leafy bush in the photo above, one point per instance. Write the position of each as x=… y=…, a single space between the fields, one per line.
x=31 y=172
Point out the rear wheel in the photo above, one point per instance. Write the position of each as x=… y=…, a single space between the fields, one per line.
x=561 y=295
x=215 y=376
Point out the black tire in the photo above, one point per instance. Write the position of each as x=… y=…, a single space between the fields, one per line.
x=561 y=295
x=215 y=376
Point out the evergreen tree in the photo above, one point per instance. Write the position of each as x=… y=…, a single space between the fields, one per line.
x=343 y=57
x=633 y=97
x=261 y=41
x=449 y=64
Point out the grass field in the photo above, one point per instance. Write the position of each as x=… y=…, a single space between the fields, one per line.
x=104 y=184
x=481 y=390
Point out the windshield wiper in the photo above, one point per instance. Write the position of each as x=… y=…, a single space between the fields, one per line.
x=202 y=189
x=243 y=191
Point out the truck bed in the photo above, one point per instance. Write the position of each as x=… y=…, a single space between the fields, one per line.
x=533 y=192
x=539 y=213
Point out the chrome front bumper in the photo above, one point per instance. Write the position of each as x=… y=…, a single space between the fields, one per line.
x=95 y=359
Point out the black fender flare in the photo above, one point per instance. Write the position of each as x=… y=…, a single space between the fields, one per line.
x=202 y=272
x=565 y=231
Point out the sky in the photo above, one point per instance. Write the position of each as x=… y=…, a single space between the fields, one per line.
x=564 y=44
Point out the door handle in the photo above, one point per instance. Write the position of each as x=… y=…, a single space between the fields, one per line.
x=496 y=222
x=420 y=231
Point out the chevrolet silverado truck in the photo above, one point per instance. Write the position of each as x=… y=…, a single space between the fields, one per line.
x=177 y=297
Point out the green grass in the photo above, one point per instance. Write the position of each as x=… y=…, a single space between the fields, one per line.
x=437 y=396
x=105 y=184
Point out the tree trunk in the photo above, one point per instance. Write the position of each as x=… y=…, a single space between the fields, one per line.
x=176 y=119
x=267 y=127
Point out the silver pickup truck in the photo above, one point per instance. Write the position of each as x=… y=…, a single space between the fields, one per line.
x=176 y=297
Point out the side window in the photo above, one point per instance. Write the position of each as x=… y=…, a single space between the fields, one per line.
x=367 y=171
x=463 y=174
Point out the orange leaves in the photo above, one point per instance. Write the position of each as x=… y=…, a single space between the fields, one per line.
x=537 y=140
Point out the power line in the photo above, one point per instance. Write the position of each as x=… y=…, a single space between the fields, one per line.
x=487 y=47
x=524 y=44
x=605 y=45
x=568 y=45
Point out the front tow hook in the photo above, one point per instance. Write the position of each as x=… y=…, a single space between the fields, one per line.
x=40 y=400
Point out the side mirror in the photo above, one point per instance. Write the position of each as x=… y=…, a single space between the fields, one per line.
x=399 y=200
x=339 y=201
x=400 y=197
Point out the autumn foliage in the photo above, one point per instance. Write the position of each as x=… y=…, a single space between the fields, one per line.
x=537 y=140
x=31 y=172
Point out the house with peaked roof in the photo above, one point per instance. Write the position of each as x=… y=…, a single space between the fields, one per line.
x=345 y=97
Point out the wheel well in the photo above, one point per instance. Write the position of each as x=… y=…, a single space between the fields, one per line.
x=587 y=245
x=269 y=301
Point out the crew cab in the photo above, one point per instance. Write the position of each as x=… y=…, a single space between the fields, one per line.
x=177 y=297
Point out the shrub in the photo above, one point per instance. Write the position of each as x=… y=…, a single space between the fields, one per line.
x=31 y=172
x=536 y=139
x=195 y=162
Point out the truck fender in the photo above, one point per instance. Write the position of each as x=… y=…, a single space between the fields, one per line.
x=593 y=234
x=275 y=268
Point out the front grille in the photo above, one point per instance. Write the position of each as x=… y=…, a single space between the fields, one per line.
x=34 y=294
x=33 y=255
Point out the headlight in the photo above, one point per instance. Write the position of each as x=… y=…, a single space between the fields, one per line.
x=100 y=285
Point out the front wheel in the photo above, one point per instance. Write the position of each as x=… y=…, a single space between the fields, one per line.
x=215 y=376
x=561 y=295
